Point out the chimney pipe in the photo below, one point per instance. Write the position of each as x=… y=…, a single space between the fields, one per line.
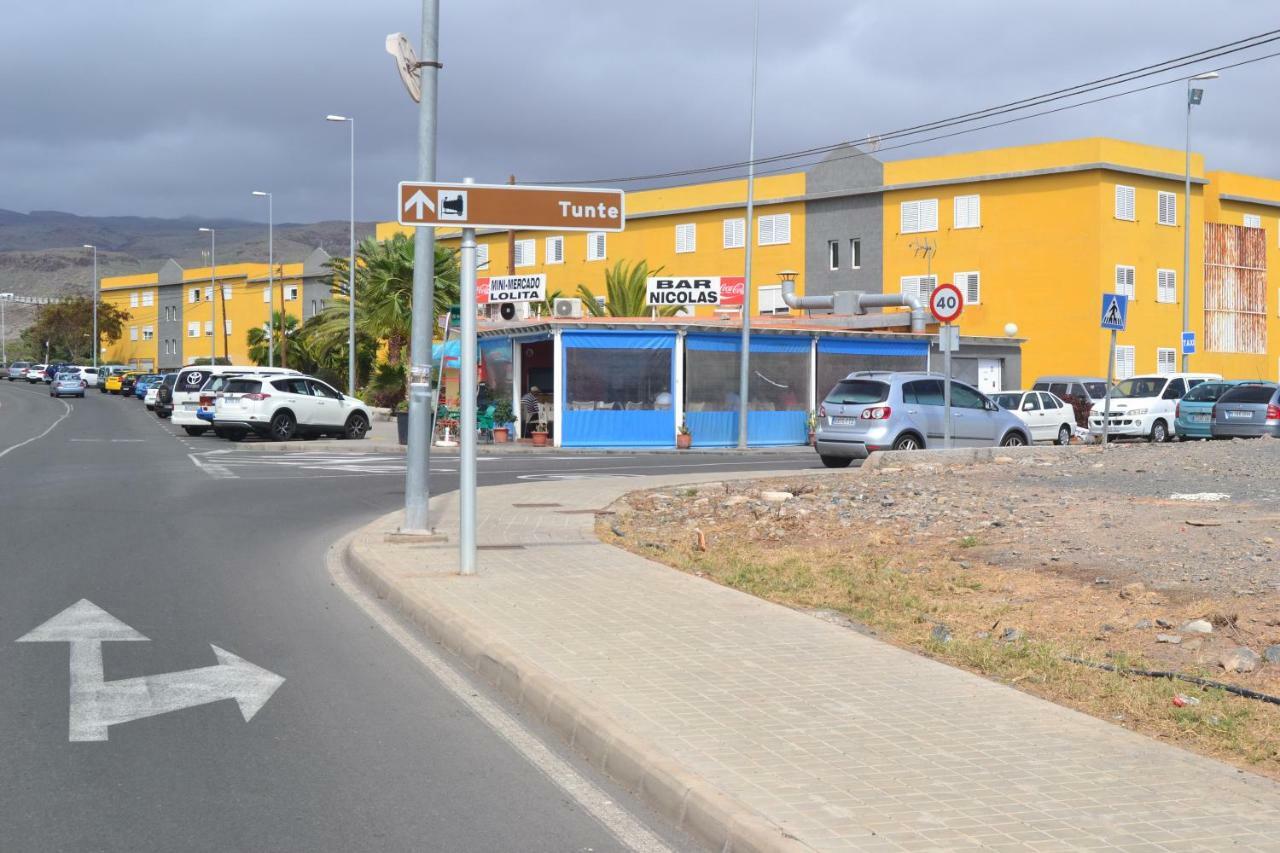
x=861 y=301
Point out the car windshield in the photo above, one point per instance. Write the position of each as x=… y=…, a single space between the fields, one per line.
x=1205 y=392
x=1097 y=390
x=1012 y=402
x=1255 y=394
x=858 y=392
x=1149 y=387
x=67 y=377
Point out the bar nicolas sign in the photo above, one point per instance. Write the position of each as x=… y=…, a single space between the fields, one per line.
x=692 y=291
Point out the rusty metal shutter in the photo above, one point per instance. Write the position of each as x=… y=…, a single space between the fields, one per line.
x=1235 y=289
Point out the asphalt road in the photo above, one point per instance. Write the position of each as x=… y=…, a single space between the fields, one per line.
x=360 y=748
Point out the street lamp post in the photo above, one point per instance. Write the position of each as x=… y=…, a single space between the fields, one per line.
x=351 y=265
x=744 y=363
x=213 y=289
x=1194 y=97
x=271 y=261
x=95 y=305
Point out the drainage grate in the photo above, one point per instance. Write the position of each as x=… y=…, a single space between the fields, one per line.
x=585 y=512
x=533 y=506
x=499 y=547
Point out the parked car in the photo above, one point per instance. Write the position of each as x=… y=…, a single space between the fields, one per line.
x=35 y=373
x=1247 y=411
x=189 y=384
x=127 y=379
x=904 y=411
x=280 y=407
x=164 y=396
x=105 y=372
x=1146 y=406
x=1047 y=416
x=88 y=374
x=153 y=391
x=1194 y=412
x=18 y=370
x=68 y=384
x=144 y=382
x=1078 y=392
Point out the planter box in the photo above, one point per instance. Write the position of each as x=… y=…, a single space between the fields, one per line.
x=402 y=426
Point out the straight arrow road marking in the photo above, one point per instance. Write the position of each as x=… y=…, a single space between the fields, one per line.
x=97 y=704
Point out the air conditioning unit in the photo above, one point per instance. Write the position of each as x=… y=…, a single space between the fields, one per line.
x=571 y=307
x=508 y=311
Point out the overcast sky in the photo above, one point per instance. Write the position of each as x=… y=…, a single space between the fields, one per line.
x=177 y=107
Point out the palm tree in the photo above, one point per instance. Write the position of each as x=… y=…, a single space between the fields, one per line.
x=625 y=293
x=282 y=325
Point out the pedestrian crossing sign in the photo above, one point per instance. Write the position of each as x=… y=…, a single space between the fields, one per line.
x=1115 y=311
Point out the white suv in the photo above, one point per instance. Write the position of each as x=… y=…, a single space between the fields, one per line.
x=1145 y=406
x=280 y=407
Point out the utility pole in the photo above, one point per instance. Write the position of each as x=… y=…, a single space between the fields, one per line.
x=284 y=328
x=417 y=486
x=744 y=363
x=271 y=268
x=511 y=241
x=467 y=406
x=213 y=295
x=95 y=304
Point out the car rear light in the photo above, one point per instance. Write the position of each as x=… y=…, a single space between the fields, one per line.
x=822 y=410
x=1213 y=413
x=876 y=413
x=1177 y=410
x=256 y=397
x=84 y=384
x=1273 y=412
x=206 y=399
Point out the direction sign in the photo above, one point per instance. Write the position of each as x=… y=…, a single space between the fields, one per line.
x=946 y=303
x=1115 y=311
x=514 y=207
x=1188 y=343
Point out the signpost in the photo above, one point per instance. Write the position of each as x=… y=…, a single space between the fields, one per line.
x=946 y=303
x=1115 y=316
x=1188 y=343
x=506 y=207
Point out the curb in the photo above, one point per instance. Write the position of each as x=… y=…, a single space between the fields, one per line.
x=367 y=446
x=969 y=456
x=358 y=446
x=686 y=799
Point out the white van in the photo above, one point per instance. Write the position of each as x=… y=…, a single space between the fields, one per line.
x=1145 y=406
x=188 y=405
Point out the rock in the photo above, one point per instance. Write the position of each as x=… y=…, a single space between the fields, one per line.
x=618 y=531
x=1003 y=460
x=1101 y=581
x=735 y=500
x=940 y=633
x=1239 y=659
x=1142 y=624
x=886 y=501
x=776 y=497
x=1197 y=626
x=1163 y=623
x=1011 y=634
x=1193 y=645
x=1168 y=638
x=1271 y=654
x=982 y=635
x=1131 y=591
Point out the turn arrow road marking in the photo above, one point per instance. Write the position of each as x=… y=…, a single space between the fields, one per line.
x=97 y=704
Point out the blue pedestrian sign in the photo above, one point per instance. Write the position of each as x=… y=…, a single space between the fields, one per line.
x=1115 y=311
x=1188 y=343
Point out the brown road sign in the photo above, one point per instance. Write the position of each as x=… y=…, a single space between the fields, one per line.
x=511 y=207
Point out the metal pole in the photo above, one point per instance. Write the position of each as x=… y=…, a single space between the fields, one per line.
x=95 y=308
x=467 y=421
x=213 y=291
x=351 y=276
x=4 y=344
x=417 y=486
x=946 y=386
x=1111 y=374
x=744 y=363
x=1186 y=236
x=271 y=282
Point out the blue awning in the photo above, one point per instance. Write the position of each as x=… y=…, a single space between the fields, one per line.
x=759 y=343
x=619 y=340
x=854 y=346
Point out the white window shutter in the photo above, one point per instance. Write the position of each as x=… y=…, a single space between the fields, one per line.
x=910 y=217
x=482 y=255
x=266 y=295
x=1252 y=220
x=929 y=215
x=926 y=286
x=782 y=229
x=765 y=228
x=970 y=286
x=734 y=233
x=1124 y=202
x=910 y=286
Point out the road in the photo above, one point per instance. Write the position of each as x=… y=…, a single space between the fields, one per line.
x=360 y=748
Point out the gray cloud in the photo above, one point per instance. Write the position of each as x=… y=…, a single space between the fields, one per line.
x=161 y=107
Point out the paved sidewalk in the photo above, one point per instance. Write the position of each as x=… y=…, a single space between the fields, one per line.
x=761 y=728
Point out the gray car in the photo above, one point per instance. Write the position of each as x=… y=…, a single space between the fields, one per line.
x=1247 y=411
x=67 y=383
x=903 y=411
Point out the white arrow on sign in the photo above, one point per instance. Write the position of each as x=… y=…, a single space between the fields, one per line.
x=97 y=704
x=417 y=201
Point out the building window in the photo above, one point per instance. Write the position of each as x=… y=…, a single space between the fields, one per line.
x=193 y=329
x=596 y=246
x=208 y=293
x=313 y=308
x=918 y=286
x=526 y=253
x=1167 y=209
x=208 y=328
x=855 y=253
x=833 y=254
x=291 y=293
x=919 y=216
x=735 y=233
x=554 y=250
x=1166 y=360
x=1124 y=362
x=133 y=299
x=770 y=301
x=1166 y=286
x=148 y=333
x=133 y=333
x=482 y=255
x=1124 y=280
x=226 y=325
x=1125 y=202
x=148 y=299
x=1252 y=220
x=968 y=211
x=686 y=238
x=774 y=230
x=970 y=284
x=266 y=294
x=226 y=292
x=193 y=295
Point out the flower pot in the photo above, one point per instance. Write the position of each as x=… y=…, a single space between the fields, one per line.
x=539 y=439
x=500 y=435
x=402 y=426
x=684 y=442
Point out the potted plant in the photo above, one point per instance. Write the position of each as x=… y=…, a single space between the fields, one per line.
x=503 y=415
x=539 y=431
x=684 y=438
x=812 y=422
x=401 y=412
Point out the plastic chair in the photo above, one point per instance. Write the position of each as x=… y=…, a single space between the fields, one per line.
x=484 y=423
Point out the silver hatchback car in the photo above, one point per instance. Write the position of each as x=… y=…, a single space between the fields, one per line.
x=904 y=411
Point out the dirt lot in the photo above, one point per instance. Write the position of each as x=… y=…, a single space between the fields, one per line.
x=1009 y=568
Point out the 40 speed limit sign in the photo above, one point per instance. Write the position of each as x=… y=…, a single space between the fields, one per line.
x=946 y=303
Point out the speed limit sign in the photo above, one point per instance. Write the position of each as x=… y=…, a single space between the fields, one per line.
x=946 y=303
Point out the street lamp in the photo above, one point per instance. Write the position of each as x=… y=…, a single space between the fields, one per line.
x=351 y=265
x=1194 y=97
x=271 y=261
x=744 y=362
x=213 y=288
x=95 y=305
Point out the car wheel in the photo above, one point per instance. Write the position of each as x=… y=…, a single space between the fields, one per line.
x=195 y=430
x=835 y=461
x=1013 y=439
x=907 y=442
x=1064 y=434
x=283 y=425
x=236 y=434
x=357 y=426
x=1159 y=433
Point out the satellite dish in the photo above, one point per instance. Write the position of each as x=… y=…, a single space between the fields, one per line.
x=407 y=63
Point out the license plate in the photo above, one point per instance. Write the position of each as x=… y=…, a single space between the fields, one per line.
x=1240 y=416
x=844 y=421
x=1199 y=419
x=190 y=407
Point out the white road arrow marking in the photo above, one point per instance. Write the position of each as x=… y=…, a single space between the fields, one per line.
x=97 y=704
x=419 y=200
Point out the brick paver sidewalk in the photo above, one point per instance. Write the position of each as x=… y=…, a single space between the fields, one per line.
x=834 y=740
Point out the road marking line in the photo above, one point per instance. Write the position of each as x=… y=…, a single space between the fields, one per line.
x=628 y=830
x=86 y=439
x=9 y=450
x=217 y=472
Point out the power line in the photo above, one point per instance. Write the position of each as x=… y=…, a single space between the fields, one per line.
x=1013 y=106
